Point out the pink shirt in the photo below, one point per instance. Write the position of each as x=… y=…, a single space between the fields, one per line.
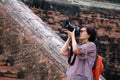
x=84 y=62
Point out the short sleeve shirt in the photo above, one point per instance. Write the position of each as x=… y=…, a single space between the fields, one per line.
x=83 y=62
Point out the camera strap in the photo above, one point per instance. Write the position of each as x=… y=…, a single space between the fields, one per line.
x=70 y=57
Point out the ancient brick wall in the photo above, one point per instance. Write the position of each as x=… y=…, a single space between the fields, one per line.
x=106 y=22
x=32 y=59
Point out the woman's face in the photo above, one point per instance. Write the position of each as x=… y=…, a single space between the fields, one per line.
x=83 y=34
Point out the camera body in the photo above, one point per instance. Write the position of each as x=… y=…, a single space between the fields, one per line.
x=71 y=27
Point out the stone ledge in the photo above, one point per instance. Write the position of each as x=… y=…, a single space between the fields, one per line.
x=90 y=3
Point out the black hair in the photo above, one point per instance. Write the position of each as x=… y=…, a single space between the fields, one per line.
x=92 y=32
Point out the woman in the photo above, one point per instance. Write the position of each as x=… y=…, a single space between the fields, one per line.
x=82 y=55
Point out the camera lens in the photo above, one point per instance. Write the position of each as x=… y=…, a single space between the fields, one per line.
x=70 y=27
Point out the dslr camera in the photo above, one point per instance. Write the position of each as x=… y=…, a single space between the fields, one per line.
x=71 y=27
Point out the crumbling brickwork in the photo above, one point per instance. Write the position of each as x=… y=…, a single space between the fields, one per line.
x=36 y=63
x=105 y=21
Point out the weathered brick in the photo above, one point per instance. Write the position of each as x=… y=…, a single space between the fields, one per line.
x=33 y=58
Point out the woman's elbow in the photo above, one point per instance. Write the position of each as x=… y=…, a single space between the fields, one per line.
x=61 y=53
x=64 y=54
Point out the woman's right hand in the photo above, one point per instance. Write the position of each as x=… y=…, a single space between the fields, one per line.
x=70 y=34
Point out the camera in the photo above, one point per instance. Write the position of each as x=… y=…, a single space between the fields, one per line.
x=71 y=27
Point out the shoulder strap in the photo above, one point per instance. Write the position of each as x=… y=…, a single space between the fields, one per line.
x=94 y=66
x=71 y=54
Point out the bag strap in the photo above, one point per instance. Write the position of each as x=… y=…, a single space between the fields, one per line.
x=71 y=54
x=94 y=66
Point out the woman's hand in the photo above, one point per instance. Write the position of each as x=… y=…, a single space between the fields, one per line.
x=70 y=34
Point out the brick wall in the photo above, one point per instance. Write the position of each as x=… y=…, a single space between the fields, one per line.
x=32 y=59
x=36 y=63
x=105 y=21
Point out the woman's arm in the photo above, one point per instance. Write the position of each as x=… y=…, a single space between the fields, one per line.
x=64 y=49
x=74 y=43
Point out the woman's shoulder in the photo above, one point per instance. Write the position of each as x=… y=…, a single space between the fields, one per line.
x=88 y=44
x=91 y=44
